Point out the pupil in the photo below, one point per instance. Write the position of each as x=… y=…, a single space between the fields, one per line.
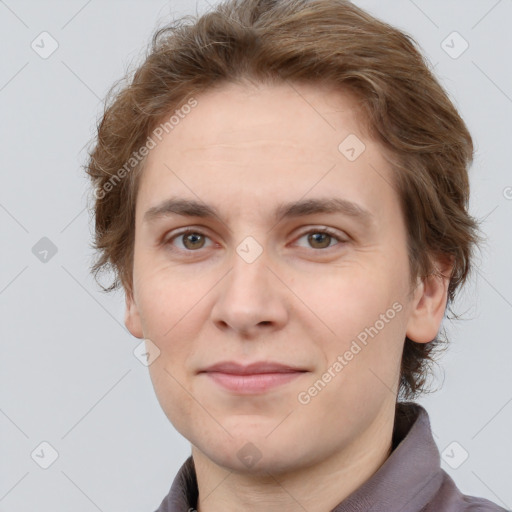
x=317 y=238
x=193 y=239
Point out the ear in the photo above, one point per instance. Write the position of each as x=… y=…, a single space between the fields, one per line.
x=429 y=303
x=132 y=317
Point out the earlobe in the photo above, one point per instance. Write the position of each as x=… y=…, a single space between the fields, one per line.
x=429 y=305
x=132 y=317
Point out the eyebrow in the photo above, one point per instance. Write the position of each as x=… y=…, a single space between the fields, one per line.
x=300 y=208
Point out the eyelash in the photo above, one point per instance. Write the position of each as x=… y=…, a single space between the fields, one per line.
x=188 y=231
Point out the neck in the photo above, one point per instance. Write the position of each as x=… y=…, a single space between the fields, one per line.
x=315 y=488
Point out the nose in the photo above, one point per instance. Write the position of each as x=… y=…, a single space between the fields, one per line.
x=251 y=299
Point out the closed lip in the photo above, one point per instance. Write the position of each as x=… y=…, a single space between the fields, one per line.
x=232 y=367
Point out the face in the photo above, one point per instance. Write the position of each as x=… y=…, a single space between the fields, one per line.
x=272 y=275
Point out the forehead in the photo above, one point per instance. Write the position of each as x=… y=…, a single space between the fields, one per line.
x=244 y=116
x=245 y=146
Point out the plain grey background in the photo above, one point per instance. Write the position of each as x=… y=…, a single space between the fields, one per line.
x=69 y=376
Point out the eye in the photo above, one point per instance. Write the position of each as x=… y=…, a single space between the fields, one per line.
x=321 y=238
x=191 y=240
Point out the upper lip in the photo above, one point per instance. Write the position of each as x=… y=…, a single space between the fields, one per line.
x=253 y=368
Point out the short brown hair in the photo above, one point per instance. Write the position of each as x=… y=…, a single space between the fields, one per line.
x=273 y=41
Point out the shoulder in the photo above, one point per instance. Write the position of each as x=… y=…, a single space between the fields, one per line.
x=450 y=499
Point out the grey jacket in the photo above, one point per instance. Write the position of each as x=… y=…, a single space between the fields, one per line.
x=410 y=480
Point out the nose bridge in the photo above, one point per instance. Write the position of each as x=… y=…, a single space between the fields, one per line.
x=248 y=296
x=248 y=277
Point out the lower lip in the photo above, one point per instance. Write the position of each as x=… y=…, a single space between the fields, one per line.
x=252 y=383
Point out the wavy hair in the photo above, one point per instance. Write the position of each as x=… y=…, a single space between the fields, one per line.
x=403 y=107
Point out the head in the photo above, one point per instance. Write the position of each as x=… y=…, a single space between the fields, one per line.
x=268 y=122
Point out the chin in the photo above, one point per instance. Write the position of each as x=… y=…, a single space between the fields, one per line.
x=256 y=455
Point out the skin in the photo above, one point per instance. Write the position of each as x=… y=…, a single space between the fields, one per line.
x=245 y=149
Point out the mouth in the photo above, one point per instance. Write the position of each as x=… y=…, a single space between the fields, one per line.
x=252 y=383
x=253 y=378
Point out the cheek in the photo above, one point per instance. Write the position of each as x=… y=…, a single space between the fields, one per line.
x=170 y=389
x=364 y=310
x=165 y=296
x=170 y=321
x=349 y=298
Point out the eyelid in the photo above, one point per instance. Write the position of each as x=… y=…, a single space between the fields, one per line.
x=333 y=233
x=321 y=229
x=166 y=240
